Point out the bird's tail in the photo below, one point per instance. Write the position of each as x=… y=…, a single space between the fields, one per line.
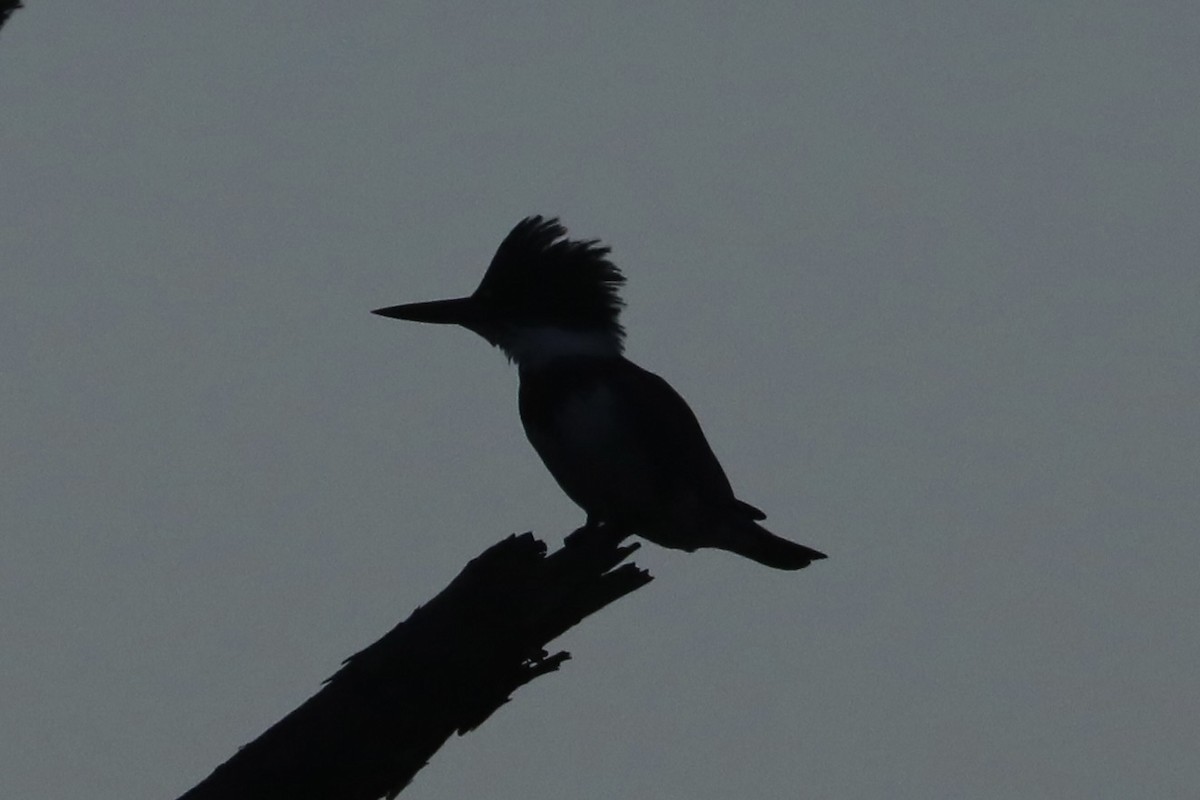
x=749 y=539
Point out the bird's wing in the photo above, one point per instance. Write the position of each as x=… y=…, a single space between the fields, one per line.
x=673 y=438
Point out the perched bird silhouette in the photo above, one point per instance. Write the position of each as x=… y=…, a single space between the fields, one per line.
x=618 y=439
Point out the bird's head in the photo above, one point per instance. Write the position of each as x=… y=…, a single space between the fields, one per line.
x=543 y=295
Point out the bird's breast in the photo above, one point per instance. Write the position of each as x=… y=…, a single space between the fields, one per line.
x=590 y=447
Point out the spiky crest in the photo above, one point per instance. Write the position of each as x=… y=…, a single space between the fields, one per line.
x=539 y=275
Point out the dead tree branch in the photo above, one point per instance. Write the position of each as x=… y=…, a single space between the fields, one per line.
x=445 y=669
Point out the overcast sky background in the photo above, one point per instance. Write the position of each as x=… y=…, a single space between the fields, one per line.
x=926 y=272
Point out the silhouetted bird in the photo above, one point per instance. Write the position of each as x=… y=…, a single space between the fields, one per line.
x=618 y=439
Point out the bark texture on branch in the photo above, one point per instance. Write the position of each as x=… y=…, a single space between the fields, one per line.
x=445 y=669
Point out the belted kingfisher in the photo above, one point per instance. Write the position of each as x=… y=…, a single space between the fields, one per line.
x=618 y=439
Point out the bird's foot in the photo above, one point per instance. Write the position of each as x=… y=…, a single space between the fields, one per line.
x=596 y=531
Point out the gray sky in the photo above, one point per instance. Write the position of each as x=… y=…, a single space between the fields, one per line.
x=926 y=272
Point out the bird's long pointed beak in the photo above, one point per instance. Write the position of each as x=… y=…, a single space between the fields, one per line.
x=458 y=311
